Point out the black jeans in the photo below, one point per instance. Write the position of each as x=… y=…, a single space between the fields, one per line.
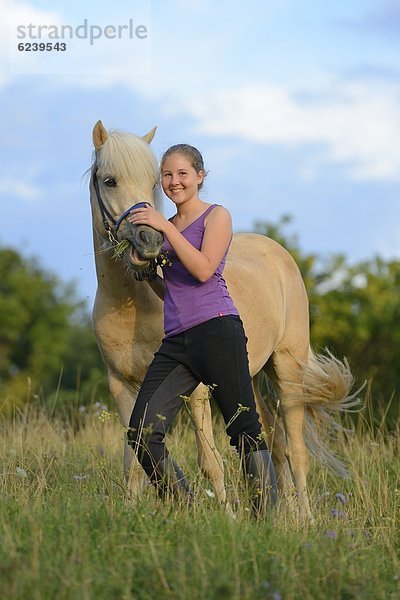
x=213 y=353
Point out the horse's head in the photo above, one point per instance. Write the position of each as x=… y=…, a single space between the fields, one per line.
x=124 y=173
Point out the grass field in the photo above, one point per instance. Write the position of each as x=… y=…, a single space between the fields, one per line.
x=68 y=529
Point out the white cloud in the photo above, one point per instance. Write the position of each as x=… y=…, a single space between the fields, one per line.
x=358 y=126
x=16 y=12
x=23 y=186
x=12 y=14
x=22 y=190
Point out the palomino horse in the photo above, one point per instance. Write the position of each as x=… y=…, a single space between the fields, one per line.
x=268 y=291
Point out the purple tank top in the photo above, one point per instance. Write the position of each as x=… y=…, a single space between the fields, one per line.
x=187 y=301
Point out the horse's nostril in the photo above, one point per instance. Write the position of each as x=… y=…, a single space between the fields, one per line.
x=144 y=237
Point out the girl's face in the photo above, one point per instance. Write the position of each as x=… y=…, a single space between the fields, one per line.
x=179 y=179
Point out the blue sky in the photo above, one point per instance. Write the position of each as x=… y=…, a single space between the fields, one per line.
x=295 y=106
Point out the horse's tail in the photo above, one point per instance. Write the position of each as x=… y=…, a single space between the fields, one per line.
x=328 y=384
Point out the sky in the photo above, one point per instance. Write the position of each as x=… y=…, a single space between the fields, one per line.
x=294 y=105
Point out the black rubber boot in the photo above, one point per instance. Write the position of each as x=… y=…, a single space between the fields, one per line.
x=169 y=479
x=260 y=473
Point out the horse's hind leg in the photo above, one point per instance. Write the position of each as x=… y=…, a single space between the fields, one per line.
x=275 y=437
x=289 y=380
x=125 y=399
x=209 y=458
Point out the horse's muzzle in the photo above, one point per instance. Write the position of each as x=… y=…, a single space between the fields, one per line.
x=146 y=245
x=147 y=241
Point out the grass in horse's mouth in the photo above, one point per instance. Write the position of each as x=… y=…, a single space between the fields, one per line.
x=120 y=248
x=134 y=255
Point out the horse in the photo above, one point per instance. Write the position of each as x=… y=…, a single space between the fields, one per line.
x=267 y=288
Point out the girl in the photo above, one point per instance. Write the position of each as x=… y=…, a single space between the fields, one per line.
x=204 y=336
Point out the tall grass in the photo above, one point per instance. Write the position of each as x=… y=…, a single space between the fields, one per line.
x=69 y=530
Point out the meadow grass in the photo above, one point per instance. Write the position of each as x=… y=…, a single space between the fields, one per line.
x=69 y=530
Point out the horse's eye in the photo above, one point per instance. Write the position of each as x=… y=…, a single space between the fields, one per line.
x=110 y=182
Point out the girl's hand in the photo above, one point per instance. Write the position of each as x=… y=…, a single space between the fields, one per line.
x=148 y=216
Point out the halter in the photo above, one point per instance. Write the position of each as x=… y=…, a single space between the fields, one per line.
x=107 y=216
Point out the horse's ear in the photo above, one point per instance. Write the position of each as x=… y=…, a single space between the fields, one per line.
x=100 y=135
x=149 y=136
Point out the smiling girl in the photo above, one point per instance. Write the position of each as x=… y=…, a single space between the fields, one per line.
x=204 y=336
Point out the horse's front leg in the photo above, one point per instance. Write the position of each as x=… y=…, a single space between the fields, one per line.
x=125 y=398
x=209 y=458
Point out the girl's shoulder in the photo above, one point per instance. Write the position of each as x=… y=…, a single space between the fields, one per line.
x=218 y=213
x=217 y=209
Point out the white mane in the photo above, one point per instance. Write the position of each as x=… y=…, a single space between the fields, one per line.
x=128 y=157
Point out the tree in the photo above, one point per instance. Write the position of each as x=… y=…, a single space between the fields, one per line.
x=44 y=331
x=359 y=317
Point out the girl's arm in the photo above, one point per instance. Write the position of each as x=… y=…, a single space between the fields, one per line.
x=202 y=263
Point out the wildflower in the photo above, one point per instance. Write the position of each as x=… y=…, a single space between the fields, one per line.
x=307 y=545
x=341 y=497
x=210 y=493
x=240 y=409
x=163 y=260
x=21 y=473
x=80 y=477
x=266 y=584
x=276 y=596
x=210 y=388
x=148 y=430
x=102 y=497
x=338 y=514
x=104 y=416
x=332 y=535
